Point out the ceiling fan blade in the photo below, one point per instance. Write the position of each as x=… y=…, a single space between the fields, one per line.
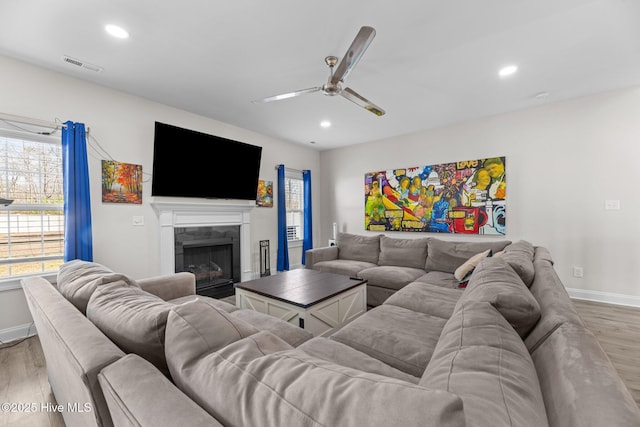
x=354 y=53
x=287 y=95
x=358 y=99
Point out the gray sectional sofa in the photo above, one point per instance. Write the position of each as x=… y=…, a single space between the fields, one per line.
x=509 y=350
x=389 y=264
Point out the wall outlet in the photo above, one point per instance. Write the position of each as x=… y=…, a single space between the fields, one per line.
x=578 y=272
x=138 y=221
x=612 y=205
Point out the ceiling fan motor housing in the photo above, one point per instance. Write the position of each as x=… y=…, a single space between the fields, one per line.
x=331 y=89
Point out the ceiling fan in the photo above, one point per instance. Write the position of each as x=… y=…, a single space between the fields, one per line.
x=333 y=86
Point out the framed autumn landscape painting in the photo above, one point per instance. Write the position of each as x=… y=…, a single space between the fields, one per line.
x=121 y=182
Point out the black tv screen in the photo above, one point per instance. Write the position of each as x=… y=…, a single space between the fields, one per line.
x=187 y=163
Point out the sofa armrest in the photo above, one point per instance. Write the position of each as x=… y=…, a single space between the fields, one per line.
x=170 y=286
x=312 y=256
x=137 y=394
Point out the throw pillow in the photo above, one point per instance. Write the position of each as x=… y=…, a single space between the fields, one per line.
x=463 y=272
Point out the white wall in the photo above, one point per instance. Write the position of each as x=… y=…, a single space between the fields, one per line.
x=563 y=161
x=123 y=125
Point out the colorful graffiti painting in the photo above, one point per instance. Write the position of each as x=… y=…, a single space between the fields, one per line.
x=467 y=197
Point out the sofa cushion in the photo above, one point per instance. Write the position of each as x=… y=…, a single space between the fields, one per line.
x=77 y=279
x=463 y=272
x=391 y=277
x=519 y=255
x=443 y=255
x=341 y=354
x=343 y=266
x=426 y=298
x=197 y=329
x=480 y=358
x=439 y=278
x=289 y=333
x=133 y=319
x=403 y=252
x=292 y=388
x=399 y=337
x=555 y=304
x=222 y=305
x=495 y=282
x=358 y=248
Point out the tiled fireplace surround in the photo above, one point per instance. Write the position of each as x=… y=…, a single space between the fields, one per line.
x=173 y=215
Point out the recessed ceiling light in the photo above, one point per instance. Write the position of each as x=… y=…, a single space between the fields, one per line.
x=508 y=70
x=116 y=31
x=325 y=123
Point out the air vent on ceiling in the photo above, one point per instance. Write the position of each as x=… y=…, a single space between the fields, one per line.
x=82 y=64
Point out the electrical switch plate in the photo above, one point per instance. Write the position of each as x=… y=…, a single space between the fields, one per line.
x=138 y=220
x=578 y=272
x=612 y=205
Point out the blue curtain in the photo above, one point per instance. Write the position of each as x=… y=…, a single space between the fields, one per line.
x=307 y=242
x=78 y=241
x=283 y=247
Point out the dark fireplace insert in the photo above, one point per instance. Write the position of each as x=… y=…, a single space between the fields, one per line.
x=212 y=254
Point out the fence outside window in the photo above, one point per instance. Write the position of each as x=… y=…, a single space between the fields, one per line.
x=32 y=226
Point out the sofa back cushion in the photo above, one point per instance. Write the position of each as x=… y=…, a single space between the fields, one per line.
x=482 y=359
x=403 y=252
x=495 y=282
x=133 y=319
x=555 y=304
x=358 y=248
x=519 y=255
x=77 y=279
x=196 y=329
x=447 y=256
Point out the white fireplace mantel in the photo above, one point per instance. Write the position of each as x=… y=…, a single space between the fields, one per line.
x=204 y=214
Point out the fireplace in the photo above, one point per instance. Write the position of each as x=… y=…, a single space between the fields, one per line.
x=212 y=254
x=194 y=219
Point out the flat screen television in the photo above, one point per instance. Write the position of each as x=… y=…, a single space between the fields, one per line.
x=187 y=163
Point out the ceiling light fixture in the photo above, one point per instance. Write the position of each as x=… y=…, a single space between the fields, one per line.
x=116 y=31
x=508 y=70
x=325 y=123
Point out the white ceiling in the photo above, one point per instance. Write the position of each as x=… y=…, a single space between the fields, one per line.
x=432 y=62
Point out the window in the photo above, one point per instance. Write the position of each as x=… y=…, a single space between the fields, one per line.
x=32 y=226
x=295 y=205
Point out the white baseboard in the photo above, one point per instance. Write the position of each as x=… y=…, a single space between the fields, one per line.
x=606 y=297
x=17 y=333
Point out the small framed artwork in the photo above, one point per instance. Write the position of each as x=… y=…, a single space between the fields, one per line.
x=121 y=182
x=265 y=194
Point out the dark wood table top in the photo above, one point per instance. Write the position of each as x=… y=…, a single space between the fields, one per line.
x=301 y=287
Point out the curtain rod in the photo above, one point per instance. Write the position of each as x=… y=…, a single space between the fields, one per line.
x=290 y=169
x=30 y=121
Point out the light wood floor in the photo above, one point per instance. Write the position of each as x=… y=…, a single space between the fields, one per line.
x=23 y=377
x=618 y=330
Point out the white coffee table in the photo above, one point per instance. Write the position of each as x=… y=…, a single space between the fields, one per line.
x=316 y=301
